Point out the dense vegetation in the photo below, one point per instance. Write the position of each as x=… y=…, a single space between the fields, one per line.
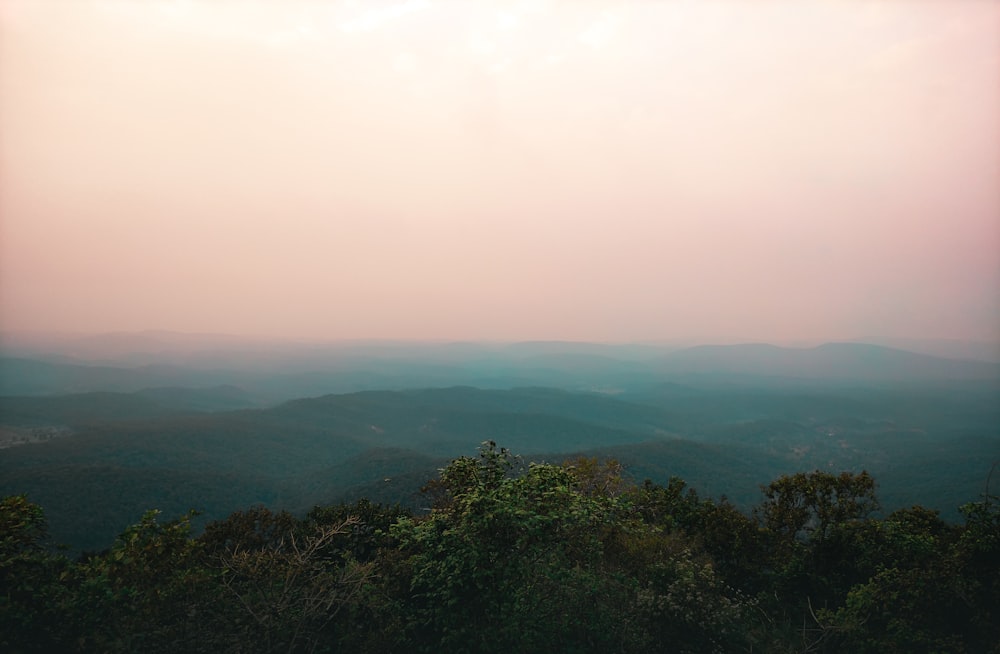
x=113 y=455
x=514 y=557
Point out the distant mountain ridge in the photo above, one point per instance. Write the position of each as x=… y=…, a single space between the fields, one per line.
x=274 y=376
x=840 y=361
x=144 y=346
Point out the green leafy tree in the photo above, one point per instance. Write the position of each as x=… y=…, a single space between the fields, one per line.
x=557 y=558
x=508 y=563
x=145 y=592
x=805 y=517
x=30 y=589
x=255 y=528
x=808 y=505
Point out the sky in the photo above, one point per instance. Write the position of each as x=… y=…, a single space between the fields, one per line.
x=627 y=171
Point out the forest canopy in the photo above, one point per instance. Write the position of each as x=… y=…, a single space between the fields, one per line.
x=515 y=556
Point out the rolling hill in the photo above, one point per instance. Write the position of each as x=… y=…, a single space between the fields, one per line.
x=174 y=449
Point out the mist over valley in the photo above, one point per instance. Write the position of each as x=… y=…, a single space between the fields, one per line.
x=218 y=426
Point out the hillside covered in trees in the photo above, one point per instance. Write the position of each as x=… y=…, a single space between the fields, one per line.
x=97 y=444
x=514 y=556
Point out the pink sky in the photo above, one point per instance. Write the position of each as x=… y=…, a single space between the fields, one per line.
x=608 y=171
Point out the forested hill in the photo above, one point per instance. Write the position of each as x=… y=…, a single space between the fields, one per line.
x=107 y=457
x=516 y=556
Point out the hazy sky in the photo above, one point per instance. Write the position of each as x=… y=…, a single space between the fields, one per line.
x=623 y=171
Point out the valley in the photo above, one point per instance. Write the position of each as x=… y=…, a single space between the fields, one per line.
x=724 y=419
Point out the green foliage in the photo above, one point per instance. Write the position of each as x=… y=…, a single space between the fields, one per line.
x=521 y=557
x=905 y=610
x=978 y=552
x=143 y=592
x=683 y=601
x=367 y=535
x=29 y=590
x=807 y=505
x=981 y=537
x=490 y=567
x=22 y=527
x=285 y=594
x=550 y=559
x=595 y=478
x=256 y=528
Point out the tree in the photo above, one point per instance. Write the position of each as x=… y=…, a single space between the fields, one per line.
x=508 y=563
x=30 y=592
x=556 y=558
x=147 y=592
x=255 y=528
x=285 y=593
x=368 y=535
x=806 y=505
